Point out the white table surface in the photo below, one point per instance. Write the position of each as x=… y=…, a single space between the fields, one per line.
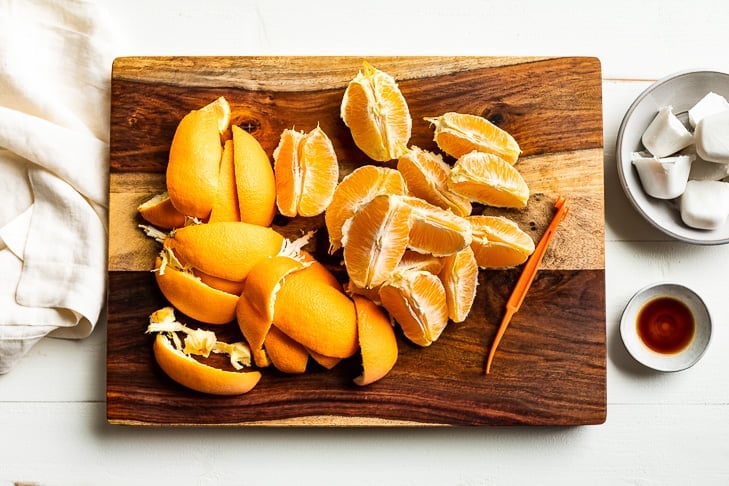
x=660 y=428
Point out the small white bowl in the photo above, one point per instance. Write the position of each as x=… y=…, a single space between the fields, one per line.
x=676 y=361
x=682 y=91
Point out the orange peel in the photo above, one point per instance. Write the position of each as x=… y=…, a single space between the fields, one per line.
x=254 y=179
x=194 y=159
x=377 y=341
x=225 y=206
x=190 y=295
x=226 y=249
x=174 y=358
x=286 y=355
x=160 y=212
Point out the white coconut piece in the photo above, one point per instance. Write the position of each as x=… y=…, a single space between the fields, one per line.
x=666 y=135
x=712 y=137
x=705 y=204
x=662 y=178
x=708 y=105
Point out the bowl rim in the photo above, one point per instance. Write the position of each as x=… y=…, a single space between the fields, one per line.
x=670 y=289
x=619 y=158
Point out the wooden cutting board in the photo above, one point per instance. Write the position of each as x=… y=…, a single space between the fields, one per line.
x=550 y=369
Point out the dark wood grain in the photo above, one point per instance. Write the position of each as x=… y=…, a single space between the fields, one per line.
x=550 y=368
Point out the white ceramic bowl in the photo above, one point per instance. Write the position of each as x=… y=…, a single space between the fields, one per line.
x=677 y=361
x=681 y=90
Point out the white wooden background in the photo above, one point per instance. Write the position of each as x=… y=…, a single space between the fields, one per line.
x=661 y=428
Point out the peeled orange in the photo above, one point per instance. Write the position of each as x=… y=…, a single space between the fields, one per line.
x=436 y=231
x=377 y=114
x=306 y=172
x=417 y=301
x=286 y=355
x=488 y=179
x=460 y=133
x=225 y=206
x=498 y=242
x=356 y=190
x=375 y=239
x=426 y=176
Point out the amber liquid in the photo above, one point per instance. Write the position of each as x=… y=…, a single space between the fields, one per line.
x=666 y=325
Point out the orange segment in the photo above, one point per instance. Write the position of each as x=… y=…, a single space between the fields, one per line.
x=458 y=134
x=417 y=301
x=498 y=242
x=194 y=159
x=488 y=179
x=254 y=179
x=225 y=206
x=426 y=175
x=413 y=260
x=227 y=249
x=316 y=315
x=306 y=171
x=375 y=239
x=160 y=212
x=460 y=279
x=435 y=230
x=377 y=114
x=286 y=355
x=198 y=376
x=193 y=297
x=377 y=341
x=356 y=190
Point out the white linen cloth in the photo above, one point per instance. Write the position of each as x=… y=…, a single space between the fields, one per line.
x=55 y=65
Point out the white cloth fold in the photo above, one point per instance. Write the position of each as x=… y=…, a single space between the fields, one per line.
x=55 y=65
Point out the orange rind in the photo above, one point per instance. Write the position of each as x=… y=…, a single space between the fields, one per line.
x=227 y=249
x=174 y=357
x=194 y=159
x=190 y=295
x=286 y=355
x=377 y=341
x=254 y=179
x=198 y=376
x=160 y=212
